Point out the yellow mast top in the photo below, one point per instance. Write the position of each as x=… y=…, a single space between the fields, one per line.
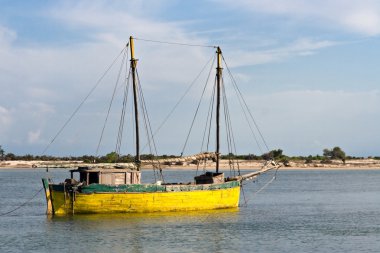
x=132 y=49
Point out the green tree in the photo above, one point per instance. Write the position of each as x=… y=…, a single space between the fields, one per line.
x=10 y=157
x=335 y=153
x=147 y=157
x=2 y=153
x=309 y=159
x=111 y=157
x=126 y=159
x=274 y=154
x=87 y=159
x=27 y=157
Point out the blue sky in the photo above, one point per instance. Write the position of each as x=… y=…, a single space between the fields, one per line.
x=309 y=70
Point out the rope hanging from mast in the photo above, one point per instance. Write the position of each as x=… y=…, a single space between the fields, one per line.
x=148 y=130
x=123 y=112
x=82 y=102
x=111 y=102
x=231 y=145
x=196 y=112
x=245 y=109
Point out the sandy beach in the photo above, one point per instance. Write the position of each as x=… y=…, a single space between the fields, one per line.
x=354 y=164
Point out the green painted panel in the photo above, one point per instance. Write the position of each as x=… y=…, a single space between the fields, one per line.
x=122 y=188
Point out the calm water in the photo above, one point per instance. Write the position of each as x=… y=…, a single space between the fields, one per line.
x=301 y=211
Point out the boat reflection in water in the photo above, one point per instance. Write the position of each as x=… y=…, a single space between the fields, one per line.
x=147 y=232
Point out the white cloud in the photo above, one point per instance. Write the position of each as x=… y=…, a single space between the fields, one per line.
x=306 y=121
x=7 y=36
x=116 y=22
x=300 y=47
x=45 y=83
x=356 y=16
x=34 y=136
x=17 y=121
x=5 y=118
x=366 y=21
x=6 y=121
x=36 y=110
x=301 y=122
x=110 y=25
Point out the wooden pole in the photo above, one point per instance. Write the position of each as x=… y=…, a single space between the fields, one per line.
x=135 y=97
x=218 y=81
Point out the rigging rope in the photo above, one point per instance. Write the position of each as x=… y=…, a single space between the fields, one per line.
x=208 y=126
x=124 y=105
x=23 y=204
x=264 y=186
x=246 y=106
x=230 y=136
x=122 y=117
x=196 y=111
x=80 y=105
x=212 y=113
x=243 y=193
x=175 y=43
x=148 y=127
x=111 y=102
x=209 y=119
x=181 y=98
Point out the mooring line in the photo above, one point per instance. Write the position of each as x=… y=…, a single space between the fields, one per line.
x=23 y=204
x=263 y=187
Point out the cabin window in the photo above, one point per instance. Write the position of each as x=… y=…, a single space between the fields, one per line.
x=93 y=178
x=82 y=177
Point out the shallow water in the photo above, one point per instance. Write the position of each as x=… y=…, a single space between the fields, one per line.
x=301 y=211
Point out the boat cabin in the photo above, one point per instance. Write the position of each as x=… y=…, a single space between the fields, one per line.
x=109 y=176
x=210 y=178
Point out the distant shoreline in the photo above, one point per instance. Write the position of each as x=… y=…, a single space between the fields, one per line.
x=355 y=164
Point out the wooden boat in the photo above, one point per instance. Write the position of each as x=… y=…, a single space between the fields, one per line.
x=118 y=189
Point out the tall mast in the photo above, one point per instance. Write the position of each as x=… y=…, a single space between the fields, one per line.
x=133 y=67
x=218 y=81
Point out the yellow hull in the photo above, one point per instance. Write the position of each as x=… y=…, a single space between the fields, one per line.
x=127 y=202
